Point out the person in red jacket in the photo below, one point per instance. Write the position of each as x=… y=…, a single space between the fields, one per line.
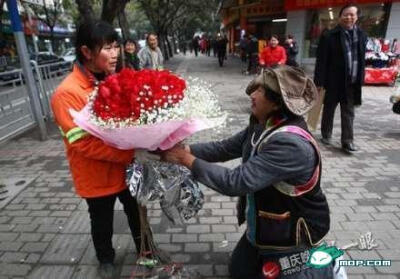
x=98 y=170
x=273 y=54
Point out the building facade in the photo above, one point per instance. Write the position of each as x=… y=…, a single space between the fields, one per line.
x=35 y=28
x=306 y=20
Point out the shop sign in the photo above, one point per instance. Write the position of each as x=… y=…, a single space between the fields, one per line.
x=6 y=23
x=291 y=5
x=270 y=8
x=266 y=10
x=44 y=28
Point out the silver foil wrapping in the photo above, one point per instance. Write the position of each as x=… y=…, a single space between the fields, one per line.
x=172 y=185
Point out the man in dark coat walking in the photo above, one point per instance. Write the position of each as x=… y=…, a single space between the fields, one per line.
x=340 y=71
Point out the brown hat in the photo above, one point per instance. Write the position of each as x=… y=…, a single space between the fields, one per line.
x=297 y=89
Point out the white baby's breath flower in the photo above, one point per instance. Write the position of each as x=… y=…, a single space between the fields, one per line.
x=199 y=102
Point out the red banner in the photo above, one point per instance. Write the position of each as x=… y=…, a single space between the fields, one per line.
x=380 y=76
x=291 y=5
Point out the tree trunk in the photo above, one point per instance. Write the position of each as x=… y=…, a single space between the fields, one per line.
x=170 y=54
x=53 y=45
x=174 y=44
x=1 y=22
x=85 y=9
x=123 y=23
x=163 y=46
x=111 y=9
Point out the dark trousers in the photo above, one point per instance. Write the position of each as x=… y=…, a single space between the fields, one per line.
x=346 y=116
x=101 y=211
x=247 y=261
x=252 y=62
x=221 y=57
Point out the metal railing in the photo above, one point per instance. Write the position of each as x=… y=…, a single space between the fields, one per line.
x=16 y=115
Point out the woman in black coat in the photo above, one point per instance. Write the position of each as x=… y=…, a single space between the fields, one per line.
x=291 y=51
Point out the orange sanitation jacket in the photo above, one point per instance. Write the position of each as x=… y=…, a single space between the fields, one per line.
x=97 y=169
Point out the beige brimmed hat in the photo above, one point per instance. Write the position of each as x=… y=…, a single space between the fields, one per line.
x=297 y=89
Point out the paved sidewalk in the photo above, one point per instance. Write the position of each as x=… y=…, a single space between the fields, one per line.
x=45 y=232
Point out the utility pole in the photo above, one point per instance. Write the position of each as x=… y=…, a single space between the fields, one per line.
x=26 y=67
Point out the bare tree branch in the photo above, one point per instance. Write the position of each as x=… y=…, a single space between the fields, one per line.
x=49 y=14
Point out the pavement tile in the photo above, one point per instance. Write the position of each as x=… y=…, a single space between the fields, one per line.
x=15 y=269
x=52 y=271
x=65 y=249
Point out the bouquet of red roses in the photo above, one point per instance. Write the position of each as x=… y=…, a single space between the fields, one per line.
x=148 y=109
x=152 y=110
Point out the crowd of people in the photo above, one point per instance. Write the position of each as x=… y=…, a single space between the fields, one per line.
x=279 y=194
x=204 y=44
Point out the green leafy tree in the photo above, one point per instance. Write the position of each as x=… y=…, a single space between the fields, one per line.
x=49 y=13
x=107 y=10
x=136 y=20
x=167 y=17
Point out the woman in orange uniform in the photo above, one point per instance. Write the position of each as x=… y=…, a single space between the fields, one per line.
x=273 y=54
x=98 y=170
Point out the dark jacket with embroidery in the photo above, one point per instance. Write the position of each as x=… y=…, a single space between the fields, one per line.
x=285 y=157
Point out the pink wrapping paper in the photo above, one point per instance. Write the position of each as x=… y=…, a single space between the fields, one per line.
x=151 y=137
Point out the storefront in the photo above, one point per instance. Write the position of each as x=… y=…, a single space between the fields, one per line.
x=7 y=37
x=307 y=19
x=61 y=38
x=259 y=18
x=36 y=29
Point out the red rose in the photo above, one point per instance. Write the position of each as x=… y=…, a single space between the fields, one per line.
x=124 y=95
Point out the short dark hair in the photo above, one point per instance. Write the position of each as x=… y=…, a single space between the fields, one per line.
x=94 y=34
x=150 y=34
x=132 y=41
x=273 y=36
x=350 y=5
x=129 y=40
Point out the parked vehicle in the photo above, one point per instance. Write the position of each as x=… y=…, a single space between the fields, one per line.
x=7 y=72
x=69 y=55
x=44 y=58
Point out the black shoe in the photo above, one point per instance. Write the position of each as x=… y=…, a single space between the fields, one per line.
x=106 y=270
x=349 y=147
x=326 y=141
